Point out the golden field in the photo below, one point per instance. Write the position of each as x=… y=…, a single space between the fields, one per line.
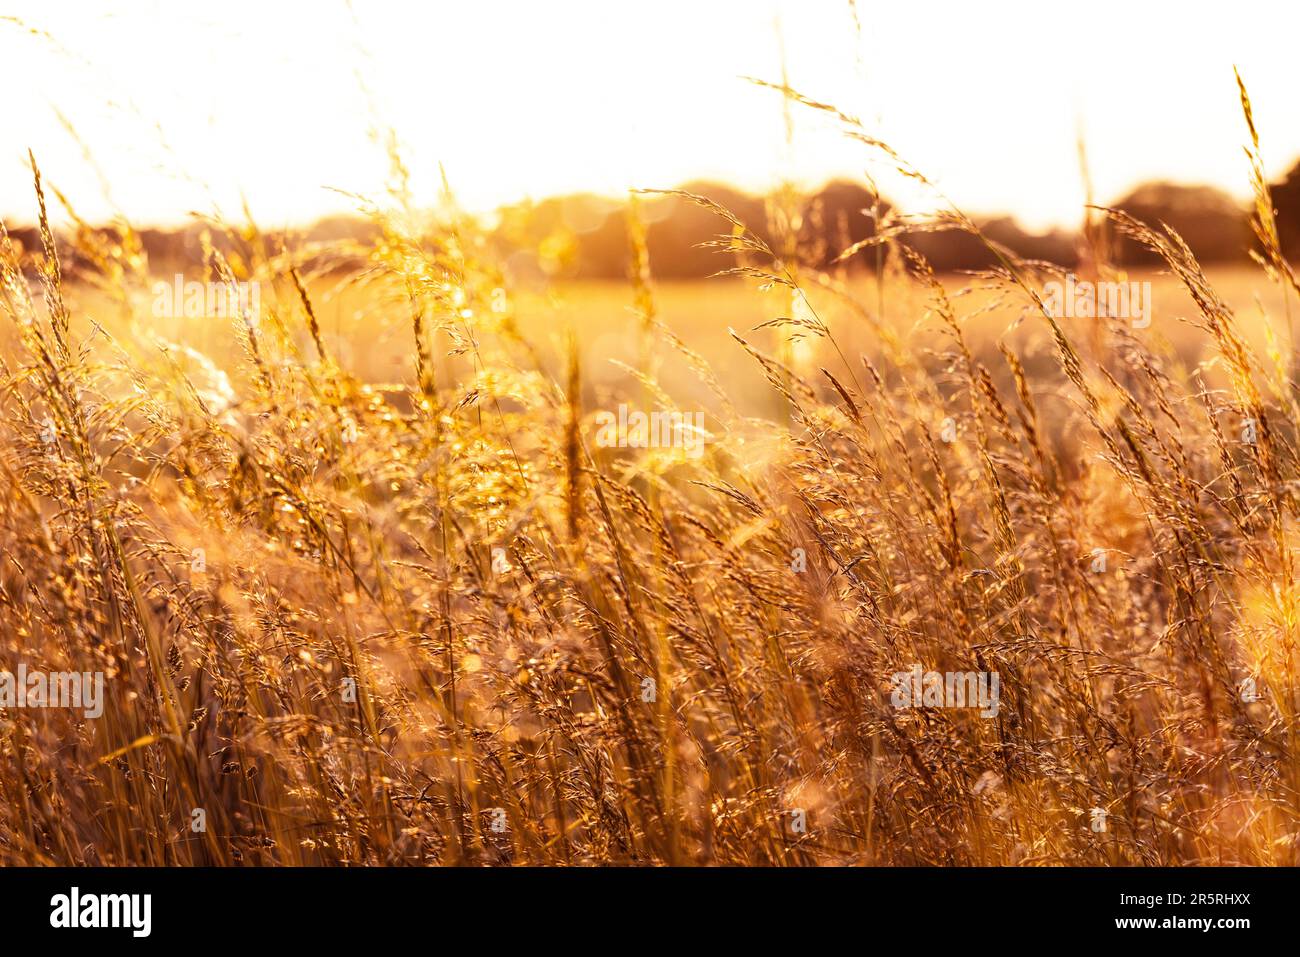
x=365 y=588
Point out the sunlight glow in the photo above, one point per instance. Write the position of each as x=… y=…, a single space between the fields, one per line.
x=181 y=106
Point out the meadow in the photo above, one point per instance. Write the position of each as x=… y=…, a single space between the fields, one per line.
x=365 y=589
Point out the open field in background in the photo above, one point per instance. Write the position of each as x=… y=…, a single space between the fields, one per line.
x=370 y=331
x=703 y=311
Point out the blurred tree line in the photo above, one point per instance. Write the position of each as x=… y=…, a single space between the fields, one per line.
x=584 y=236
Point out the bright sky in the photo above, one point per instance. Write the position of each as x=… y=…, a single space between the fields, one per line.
x=183 y=105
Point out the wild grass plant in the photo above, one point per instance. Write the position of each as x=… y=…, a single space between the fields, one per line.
x=433 y=621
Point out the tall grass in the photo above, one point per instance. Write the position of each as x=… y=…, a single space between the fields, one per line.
x=433 y=622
